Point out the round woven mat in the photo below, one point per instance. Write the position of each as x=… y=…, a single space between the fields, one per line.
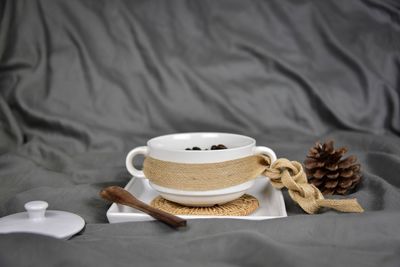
x=242 y=206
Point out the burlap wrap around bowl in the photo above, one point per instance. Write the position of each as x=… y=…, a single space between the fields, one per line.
x=205 y=176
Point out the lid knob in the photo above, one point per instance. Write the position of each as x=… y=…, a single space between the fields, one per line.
x=36 y=209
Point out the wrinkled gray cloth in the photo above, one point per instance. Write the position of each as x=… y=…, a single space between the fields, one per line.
x=83 y=82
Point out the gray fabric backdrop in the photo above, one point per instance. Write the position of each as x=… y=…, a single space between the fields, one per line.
x=83 y=82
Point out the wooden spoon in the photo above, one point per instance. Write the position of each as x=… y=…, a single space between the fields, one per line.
x=121 y=196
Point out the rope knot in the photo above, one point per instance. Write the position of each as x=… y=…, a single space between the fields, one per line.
x=285 y=173
x=290 y=174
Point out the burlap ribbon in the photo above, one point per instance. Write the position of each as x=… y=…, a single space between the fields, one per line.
x=210 y=176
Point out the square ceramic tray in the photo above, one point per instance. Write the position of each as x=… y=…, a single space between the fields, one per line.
x=271 y=202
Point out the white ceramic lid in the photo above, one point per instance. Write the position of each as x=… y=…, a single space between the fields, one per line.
x=38 y=220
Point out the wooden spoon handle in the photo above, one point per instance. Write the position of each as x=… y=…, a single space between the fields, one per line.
x=121 y=196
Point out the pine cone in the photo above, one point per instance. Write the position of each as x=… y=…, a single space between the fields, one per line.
x=327 y=171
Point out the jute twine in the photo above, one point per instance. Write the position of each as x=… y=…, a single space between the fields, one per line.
x=242 y=206
x=208 y=176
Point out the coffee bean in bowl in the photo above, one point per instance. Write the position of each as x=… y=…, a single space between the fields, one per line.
x=218 y=147
x=213 y=147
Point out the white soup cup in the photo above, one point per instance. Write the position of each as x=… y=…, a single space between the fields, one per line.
x=172 y=148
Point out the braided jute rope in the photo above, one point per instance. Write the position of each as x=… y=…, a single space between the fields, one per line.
x=208 y=176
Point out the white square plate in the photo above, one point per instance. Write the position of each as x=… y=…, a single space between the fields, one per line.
x=271 y=202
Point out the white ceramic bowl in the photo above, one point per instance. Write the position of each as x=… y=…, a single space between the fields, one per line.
x=172 y=148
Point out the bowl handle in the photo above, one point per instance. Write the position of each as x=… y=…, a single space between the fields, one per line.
x=141 y=150
x=266 y=151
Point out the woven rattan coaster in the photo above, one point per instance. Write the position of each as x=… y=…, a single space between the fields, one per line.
x=242 y=206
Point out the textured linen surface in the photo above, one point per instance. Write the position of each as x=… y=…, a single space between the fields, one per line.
x=83 y=82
